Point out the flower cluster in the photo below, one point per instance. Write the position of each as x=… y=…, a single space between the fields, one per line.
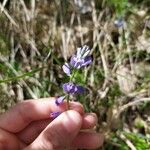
x=81 y=59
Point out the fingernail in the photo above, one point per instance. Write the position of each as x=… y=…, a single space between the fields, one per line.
x=72 y=121
x=92 y=117
x=77 y=107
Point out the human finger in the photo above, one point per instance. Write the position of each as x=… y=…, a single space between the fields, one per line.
x=9 y=141
x=31 y=132
x=25 y=112
x=60 y=133
x=89 y=120
x=95 y=140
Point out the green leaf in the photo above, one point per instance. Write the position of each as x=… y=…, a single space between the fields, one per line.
x=141 y=142
x=21 y=76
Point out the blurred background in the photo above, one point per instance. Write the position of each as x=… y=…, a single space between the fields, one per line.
x=38 y=36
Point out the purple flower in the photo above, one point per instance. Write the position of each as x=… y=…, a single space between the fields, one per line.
x=54 y=114
x=82 y=57
x=72 y=88
x=66 y=69
x=80 y=62
x=119 y=22
x=59 y=100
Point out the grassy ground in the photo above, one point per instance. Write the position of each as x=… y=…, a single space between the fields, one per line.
x=37 y=37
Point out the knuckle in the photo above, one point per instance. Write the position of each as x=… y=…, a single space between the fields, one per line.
x=24 y=109
x=55 y=139
x=3 y=139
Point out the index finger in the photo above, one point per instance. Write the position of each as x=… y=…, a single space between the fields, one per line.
x=18 y=117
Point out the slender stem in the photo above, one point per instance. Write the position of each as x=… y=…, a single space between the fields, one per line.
x=71 y=80
x=68 y=101
x=68 y=96
x=73 y=75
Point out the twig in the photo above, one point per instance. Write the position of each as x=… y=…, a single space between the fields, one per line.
x=25 y=10
x=136 y=102
x=3 y=5
x=33 y=8
x=8 y=16
x=127 y=141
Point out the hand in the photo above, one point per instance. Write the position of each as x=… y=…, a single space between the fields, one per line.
x=28 y=126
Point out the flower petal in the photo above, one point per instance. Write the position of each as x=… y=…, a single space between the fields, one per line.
x=73 y=60
x=87 y=61
x=76 y=62
x=66 y=69
x=54 y=115
x=119 y=22
x=80 y=90
x=72 y=88
x=79 y=52
x=69 y=87
x=85 y=51
x=59 y=100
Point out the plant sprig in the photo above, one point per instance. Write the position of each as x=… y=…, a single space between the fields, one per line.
x=81 y=59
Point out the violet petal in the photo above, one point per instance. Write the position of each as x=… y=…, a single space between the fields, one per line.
x=59 y=100
x=54 y=115
x=119 y=22
x=76 y=62
x=72 y=88
x=73 y=60
x=80 y=90
x=66 y=69
x=69 y=87
x=87 y=61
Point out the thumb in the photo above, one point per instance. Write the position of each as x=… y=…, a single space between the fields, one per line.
x=60 y=133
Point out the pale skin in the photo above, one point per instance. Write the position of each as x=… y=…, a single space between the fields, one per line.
x=27 y=126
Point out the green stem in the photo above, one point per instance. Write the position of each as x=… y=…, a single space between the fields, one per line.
x=73 y=74
x=71 y=80
x=68 y=97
